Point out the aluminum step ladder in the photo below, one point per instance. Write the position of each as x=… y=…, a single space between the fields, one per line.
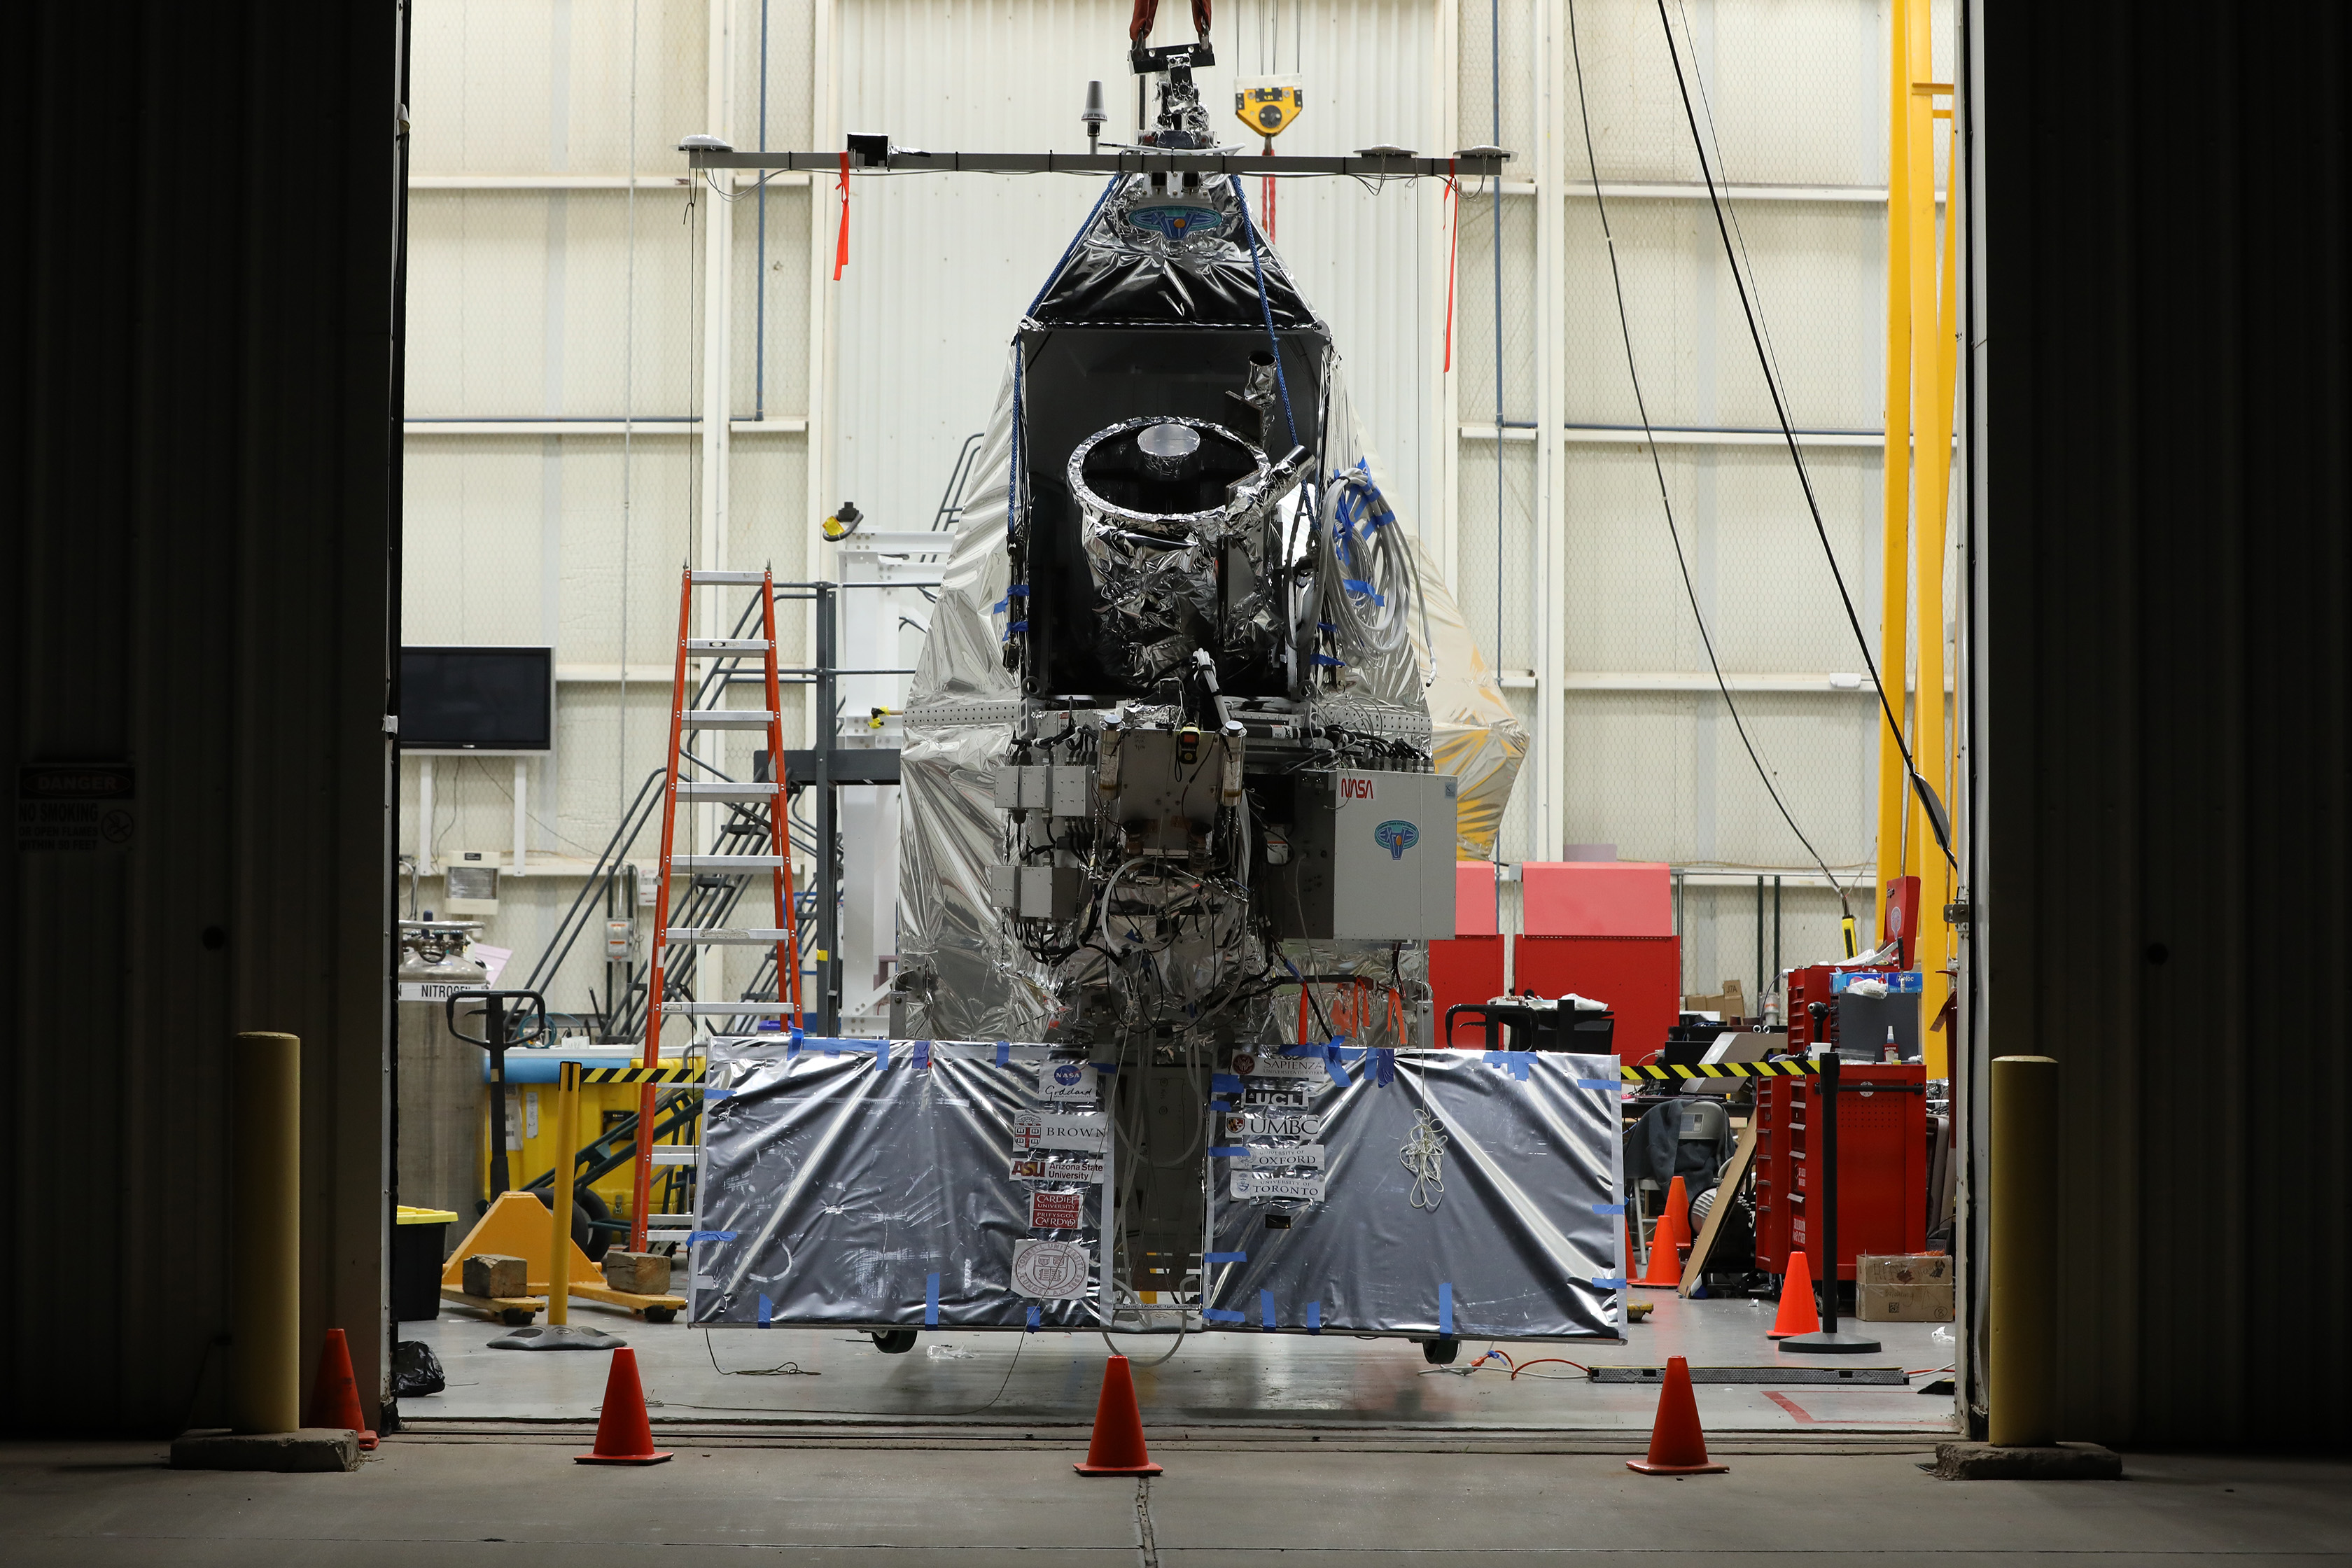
x=776 y=858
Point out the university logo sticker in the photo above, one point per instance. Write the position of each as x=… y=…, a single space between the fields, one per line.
x=1396 y=835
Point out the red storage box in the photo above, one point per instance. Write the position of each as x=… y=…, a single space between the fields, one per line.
x=1640 y=978
x=1882 y=1165
x=1597 y=897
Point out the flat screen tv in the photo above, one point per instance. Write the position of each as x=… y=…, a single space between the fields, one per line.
x=477 y=699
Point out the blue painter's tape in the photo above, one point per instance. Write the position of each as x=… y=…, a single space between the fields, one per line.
x=1105 y=1069
x=767 y=1309
x=1033 y=1320
x=930 y=1300
x=1517 y=1063
x=1608 y=1283
x=693 y=1236
x=1266 y=1309
x=1219 y=1315
x=1223 y=1083
x=881 y=1055
x=922 y=1058
x=1608 y=1208
x=1604 y=1085
x=1325 y=659
x=1384 y=1067
x=1314 y=1317
x=1221 y=1105
x=1228 y=1150
x=1004 y=1054
x=1225 y=1257
x=1446 y=1309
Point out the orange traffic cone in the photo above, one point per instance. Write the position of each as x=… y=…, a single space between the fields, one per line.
x=1678 y=1445
x=1798 y=1313
x=623 y=1436
x=1118 y=1447
x=1667 y=1241
x=335 y=1397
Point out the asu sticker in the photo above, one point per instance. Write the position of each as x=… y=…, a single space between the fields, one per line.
x=1051 y=1270
x=1267 y=104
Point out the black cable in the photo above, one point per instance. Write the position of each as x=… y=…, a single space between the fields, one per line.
x=1936 y=819
x=1641 y=405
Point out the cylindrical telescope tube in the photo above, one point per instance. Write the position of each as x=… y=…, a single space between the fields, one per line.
x=2023 y=1329
x=265 y=1385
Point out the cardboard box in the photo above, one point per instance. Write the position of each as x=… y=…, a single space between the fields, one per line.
x=494 y=1275
x=1904 y=1303
x=639 y=1273
x=1904 y=1268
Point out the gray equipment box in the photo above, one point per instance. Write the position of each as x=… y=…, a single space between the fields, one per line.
x=1371 y=859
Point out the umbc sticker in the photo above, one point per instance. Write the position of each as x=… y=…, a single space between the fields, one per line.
x=1396 y=835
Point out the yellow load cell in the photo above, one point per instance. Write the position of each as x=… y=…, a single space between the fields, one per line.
x=1267 y=104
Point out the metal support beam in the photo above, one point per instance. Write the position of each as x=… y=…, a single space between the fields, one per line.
x=908 y=161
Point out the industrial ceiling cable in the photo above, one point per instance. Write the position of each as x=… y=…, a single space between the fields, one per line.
x=1658 y=468
x=1928 y=801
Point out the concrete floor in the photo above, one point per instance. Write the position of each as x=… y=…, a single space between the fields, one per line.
x=1281 y=1380
x=453 y=1504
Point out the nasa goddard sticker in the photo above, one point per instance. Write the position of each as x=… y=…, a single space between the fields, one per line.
x=1066 y=1080
x=1051 y=1270
x=1056 y=1211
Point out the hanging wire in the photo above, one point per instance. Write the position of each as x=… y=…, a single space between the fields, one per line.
x=1919 y=785
x=1657 y=468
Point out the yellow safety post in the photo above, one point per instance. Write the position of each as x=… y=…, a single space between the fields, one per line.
x=1895 y=487
x=567 y=1148
x=265 y=1384
x=2023 y=1328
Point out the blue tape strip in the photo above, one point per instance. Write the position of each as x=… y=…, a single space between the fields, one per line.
x=1608 y=1282
x=922 y=1060
x=1446 y=1309
x=1225 y=1257
x=930 y=1302
x=1517 y=1063
x=1223 y=1083
x=1314 y=1317
x=1605 y=1085
x=1266 y=1309
x=1003 y=1053
x=1105 y=1069
x=693 y=1236
x=1383 y=1067
x=1228 y=1150
x=1608 y=1208
x=1332 y=1062
x=1219 y=1315
x=1325 y=659
x=767 y=1309
x=1033 y=1320
x=881 y=1055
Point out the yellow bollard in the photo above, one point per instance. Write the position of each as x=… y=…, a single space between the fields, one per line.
x=2023 y=1352
x=265 y=1384
x=567 y=1146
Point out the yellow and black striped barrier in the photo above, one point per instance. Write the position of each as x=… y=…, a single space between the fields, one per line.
x=641 y=1075
x=1792 y=1066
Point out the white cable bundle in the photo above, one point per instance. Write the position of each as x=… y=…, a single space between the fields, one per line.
x=1364 y=583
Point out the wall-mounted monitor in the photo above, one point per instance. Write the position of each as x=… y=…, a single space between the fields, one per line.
x=475 y=701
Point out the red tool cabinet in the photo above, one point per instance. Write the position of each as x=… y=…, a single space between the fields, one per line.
x=1882 y=1165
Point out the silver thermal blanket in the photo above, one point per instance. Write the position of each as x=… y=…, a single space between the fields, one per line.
x=901 y=1184
x=1471 y=1193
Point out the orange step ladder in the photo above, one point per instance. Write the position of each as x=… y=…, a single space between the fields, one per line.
x=776 y=858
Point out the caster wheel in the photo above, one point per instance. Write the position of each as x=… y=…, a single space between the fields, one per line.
x=516 y=1318
x=894 y=1341
x=1440 y=1352
x=660 y=1314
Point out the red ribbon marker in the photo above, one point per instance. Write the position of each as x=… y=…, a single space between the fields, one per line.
x=1453 y=251
x=841 y=246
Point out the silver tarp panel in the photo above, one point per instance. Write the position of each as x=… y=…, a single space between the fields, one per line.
x=1470 y=1194
x=891 y=1184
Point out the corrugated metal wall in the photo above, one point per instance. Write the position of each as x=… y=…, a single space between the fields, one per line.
x=196 y=453
x=2166 y=368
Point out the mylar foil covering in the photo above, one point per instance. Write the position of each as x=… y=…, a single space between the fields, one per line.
x=1511 y=1231
x=1478 y=738
x=1121 y=274
x=835 y=1189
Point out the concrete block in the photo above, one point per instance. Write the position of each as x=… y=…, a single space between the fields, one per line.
x=640 y=1273
x=493 y=1274
x=304 y=1451
x=2059 y=1462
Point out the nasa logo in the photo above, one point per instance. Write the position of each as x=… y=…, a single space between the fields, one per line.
x=1396 y=835
x=1067 y=1075
x=1355 y=788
